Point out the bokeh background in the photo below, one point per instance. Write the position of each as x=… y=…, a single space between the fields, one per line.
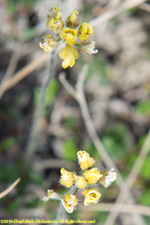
x=117 y=90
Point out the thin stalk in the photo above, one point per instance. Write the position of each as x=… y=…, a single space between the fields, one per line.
x=32 y=143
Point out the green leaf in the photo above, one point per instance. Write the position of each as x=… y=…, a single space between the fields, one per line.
x=70 y=122
x=69 y=150
x=29 y=34
x=90 y=148
x=143 y=107
x=98 y=66
x=144 y=198
x=7 y=143
x=117 y=140
x=145 y=170
x=36 y=178
x=131 y=11
x=51 y=92
x=13 y=206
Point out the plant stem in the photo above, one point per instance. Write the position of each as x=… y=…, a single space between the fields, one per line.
x=32 y=143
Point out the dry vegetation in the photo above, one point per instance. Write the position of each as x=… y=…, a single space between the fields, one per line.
x=101 y=105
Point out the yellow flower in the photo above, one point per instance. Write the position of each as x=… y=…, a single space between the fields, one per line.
x=85 y=31
x=85 y=160
x=91 y=196
x=48 y=44
x=108 y=177
x=72 y=20
x=92 y=175
x=55 y=12
x=67 y=178
x=69 y=202
x=55 y=24
x=88 y=48
x=69 y=35
x=69 y=55
x=80 y=182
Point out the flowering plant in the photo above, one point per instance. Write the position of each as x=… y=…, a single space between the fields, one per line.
x=83 y=182
x=76 y=38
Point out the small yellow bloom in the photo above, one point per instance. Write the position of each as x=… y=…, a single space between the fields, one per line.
x=67 y=178
x=85 y=160
x=108 y=177
x=69 y=35
x=72 y=20
x=55 y=12
x=92 y=175
x=85 y=31
x=48 y=44
x=80 y=182
x=55 y=24
x=51 y=195
x=69 y=202
x=91 y=196
x=69 y=55
x=88 y=48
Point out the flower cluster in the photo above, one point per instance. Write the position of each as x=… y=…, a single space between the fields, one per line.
x=74 y=36
x=83 y=182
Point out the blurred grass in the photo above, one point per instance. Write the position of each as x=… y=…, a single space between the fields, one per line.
x=116 y=139
x=13 y=3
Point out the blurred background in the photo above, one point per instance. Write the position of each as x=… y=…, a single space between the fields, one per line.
x=117 y=90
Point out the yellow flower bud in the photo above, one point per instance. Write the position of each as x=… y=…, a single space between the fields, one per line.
x=67 y=178
x=55 y=24
x=72 y=21
x=48 y=44
x=85 y=31
x=92 y=175
x=55 y=12
x=69 y=55
x=91 y=196
x=85 y=160
x=69 y=35
x=69 y=202
x=80 y=182
x=88 y=48
x=51 y=195
x=108 y=178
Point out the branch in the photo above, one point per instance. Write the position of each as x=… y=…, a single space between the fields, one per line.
x=121 y=208
x=9 y=83
x=9 y=189
x=32 y=143
x=110 y=14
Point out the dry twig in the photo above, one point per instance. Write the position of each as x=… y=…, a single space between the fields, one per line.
x=78 y=94
x=121 y=208
x=115 y=11
x=9 y=189
x=22 y=74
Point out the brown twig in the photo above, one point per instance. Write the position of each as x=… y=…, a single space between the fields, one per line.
x=125 y=5
x=121 y=208
x=9 y=189
x=22 y=74
x=78 y=94
x=12 y=66
x=145 y=7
